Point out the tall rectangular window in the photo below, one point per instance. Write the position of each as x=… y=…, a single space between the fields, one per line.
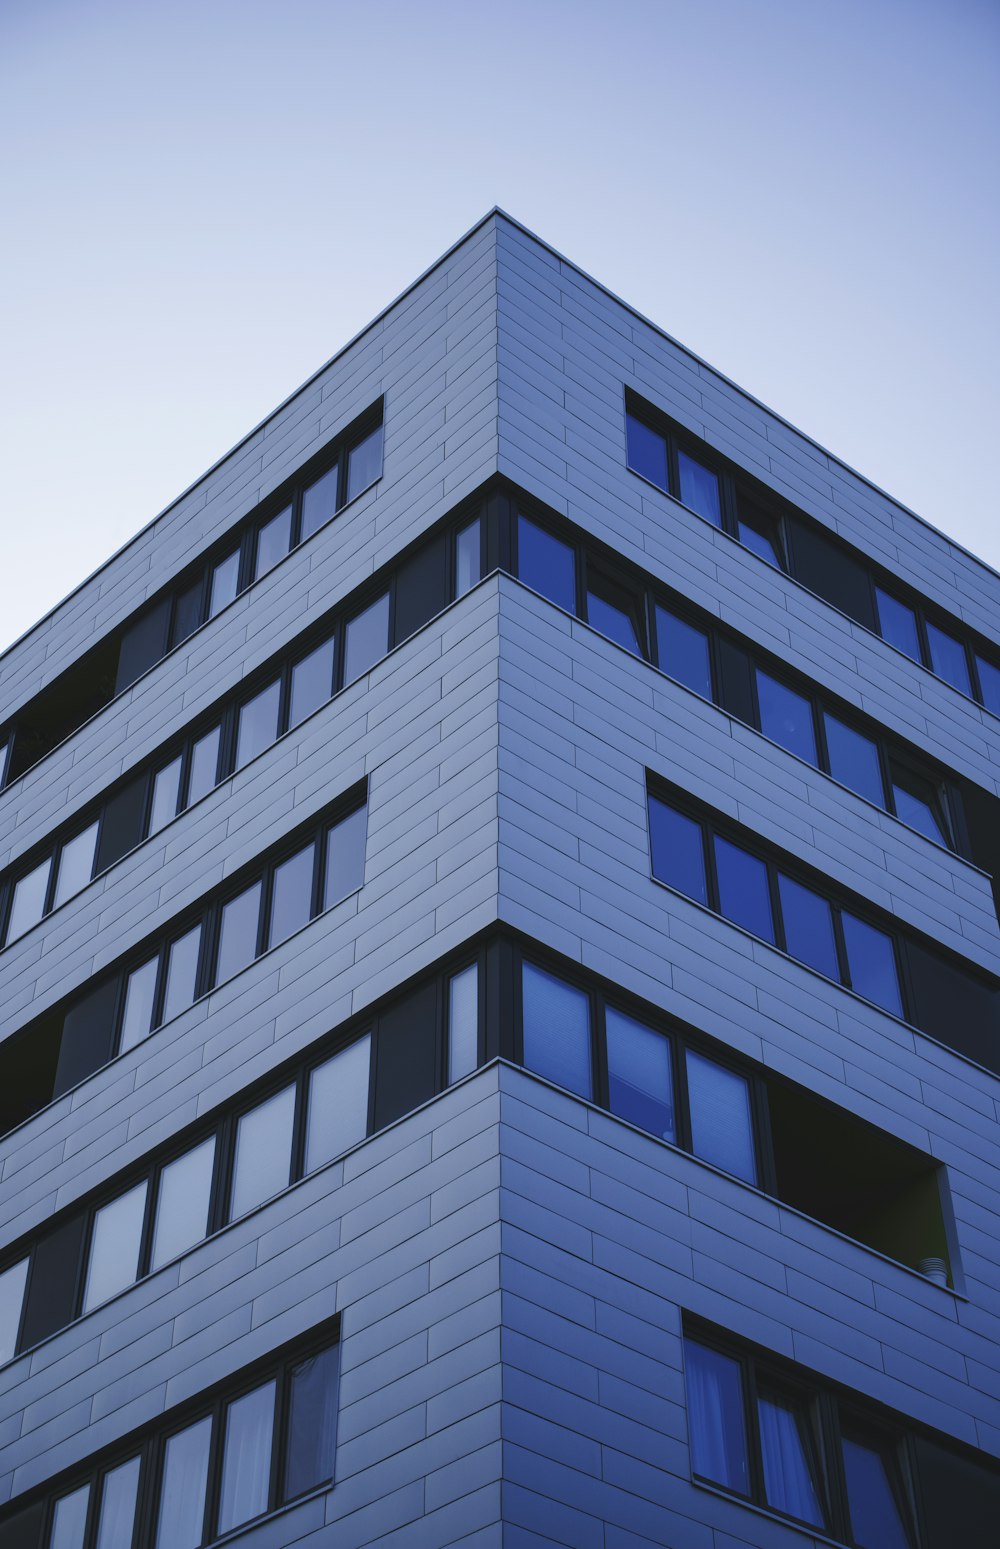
x=238 y=933
x=312 y=682
x=467 y=558
x=119 y=1492
x=137 y=1017
x=366 y=639
x=678 y=850
x=182 y=1203
x=640 y=1078
x=69 y=1519
x=29 y=900
x=338 y=1103
x=181 y=1520
x=182 y=973
x=312 y=1423
x=699 y=488
x=76 y=865
x=744 y=896
x=646 y=451
x=319 y=503
x=716 y=1423
x=614 y=612
x=948 y=659
x=556 y=1030
x=871 y=961
x=721 y=1124
x=786 y=717
x=364 y=463
x=166 y=794
x=463 y=1022
x=683 y=652
x=224 y=584
x=808 y=922
x=263 y=1152
x=12 y=1283
x=114 y=1246
x=875 y=1510
x=345 y=857
x=898 y=624
x=258 y=724
x=854 y=760
x=545 y=564
x=203 y=776
x=273 y=542
x=787 y=1447
x=291 y=904
x=989 y=681
x=246 y=1461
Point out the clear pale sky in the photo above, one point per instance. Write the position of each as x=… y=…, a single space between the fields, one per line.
x=203 y=201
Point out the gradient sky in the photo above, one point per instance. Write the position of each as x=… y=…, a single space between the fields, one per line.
x=203 y=201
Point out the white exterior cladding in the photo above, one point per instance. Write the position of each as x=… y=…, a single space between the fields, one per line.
x=510 y=1263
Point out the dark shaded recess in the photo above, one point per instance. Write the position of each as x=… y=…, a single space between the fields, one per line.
x=982 y=822
x=88 y=1032
x=855 y=1178
x=122 y=823
x=28 y=1064
x=960 y=1497
x=143 y=643
x=736 y=681
x=188 y=611
x=24 y=1529
x=954 y=1005
x=52 y=1284
x=831 y=572
x=66 y=704
x=421 y=588
x=406 y=1058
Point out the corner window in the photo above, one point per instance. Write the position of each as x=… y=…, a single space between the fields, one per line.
x=699 y=488
x=556 y=1030
x=463 y=1023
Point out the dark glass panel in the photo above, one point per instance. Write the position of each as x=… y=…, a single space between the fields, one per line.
x=319 y=503
x=640 y=1078
x=684 y=652
x=144 y=643
x=421 y=588
x=854 y=760
x=786 y=717
x=273 y=541
x=721 y=1122
x=646 y=451
x=122 y=823
x=948 y=659
x=876 y=1520
x=87 y=1035
x=898 y=624
x=364 y=463
x=188 y=610
x=407 y=1058
x=556 y=1030
x=546 y=565
x=238 y=933
x=52 y=1287
x=808 y=922
x=224 y=583
x=677 y=851
x=872 y=963
x=312 y=1423
x=989 y=681
x=786 y=1448
x=699 y=488
x=716 y=1426
x=743 y=889
x=614 y=613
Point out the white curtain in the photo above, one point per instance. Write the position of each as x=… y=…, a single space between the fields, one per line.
x=715 y=1411
x=246 y=1470
x=788 y=1483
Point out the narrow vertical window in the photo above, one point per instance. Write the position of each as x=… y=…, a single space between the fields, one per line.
x=364 y=463
x=678 y=851
x=871 y=962
x=312 y=682
x=721 y=1125
x=366 y=639
x=182 y=1203
x=917 y=804
x=716 y=1425
x=463 y=1022
x=699 y=488
x=338 y=1103
x=69 y=1520
x=854 y=760
x=640 y=1080
x=76 y=865
x=786 y=717
x=312 y=1423
x=948 y=659
x=187 y=612
x=182 y=973
x=263 y=1152
x=258 y=724
x=273 y=542
x=137 y=1017
x=225 y=581
x=29 y=900
x=468 y=563
x=808 y=922
x=787 y=1451
x=556 y=1030
x=114 y=1246
x=989 y=682
x=759 y=532
x=683 y=652
x=204 y=773
x=744 y=897
x=345 y=857
x=181 y=1520
x=546 y=565
x=614 y=612
x=246 y=1462
x=118 y=1498
x=166 y=794
x=646 y=451
x=319 y=503
x=238 y=933
x=876 y=1518
x=12 y=1283
x=898 y=624
x=291 y=905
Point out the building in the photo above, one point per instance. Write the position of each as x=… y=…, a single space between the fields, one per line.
x=499 y=974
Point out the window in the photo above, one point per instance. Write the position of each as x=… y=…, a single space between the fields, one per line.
x=546 y=565
x=918 y=803
x=366 y=639
x=312 y=682
x=224 y=583
x=556 y=1030
x=871 y=962
x=137 y=1016
x=786 y=717
x=898 y=624
x=463 y=1023
x=114 y=1247
x=338 y=1103
x=319 y=503
x=204 y=772
x=345 y=857
x=166 y=795
x=246 y=1460
x=854 y=760
x=69 y=1520
x=699 y=488
x=312 y=1422
x=258 y=724
x=291 y=904
x=683 y=652
x=787 y=1445
x=716 y=1424
x=118 y=1500
x=273 y=542
x=30 y=893
x=743 y=889
x=76 y=865
x=678 y=850
x=181 y=1520
x=182 y=974
x=758 y=531
x=808 y=921
x=721 y=1121
x=640 y=1077
x=875 y=1506
x=364 y=463
x=989 y=678
x=948 y=658
x=468 y=564
x=12 y=1282
x=182 y=1205
x=238 y=933
x=263 y=1152
x=646 y=451
x=613 y=611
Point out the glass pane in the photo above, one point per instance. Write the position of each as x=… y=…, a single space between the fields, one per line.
x=345 y=857
x=29 y=900
x=319 y=503
x=121 y=1485
x=546 y=565
x=721 y=1126
x=312 y=682
x=743 y=890
x=463 y=1023
x=114 y=1246
x=76 y=865
x=615 y=622
x=364 y=463
x=640 y=1080
x=166 y=791
x=258 y=724
x=338 y=1104
x=699 y=488
x=69 y=1520
x=646 y=451
x=182 y=1493
x=556 y=1024
x=788 y=1480
x=12 y=1282
x=758 y=540
x=786 y=717
x=204 y=766
x=273 y=541
x=187 y=611
x=716 y=1425
x=678 y=853
x=291 y=906
x=238 y=933
x=948 y=659
x=919 y=814
x=875 y=1519
x=872 y=964
x=808 y=922
x=684 y=652
x=898 y=624
x=137 y=1018
x=367 y=639
x=246 y=1464
x=468 y=562
x=225 y=578
x=312 y=1423
x=989 y=682
x=854 y=760
x=182 y=974
x=263 y=1152
x=182 y=1203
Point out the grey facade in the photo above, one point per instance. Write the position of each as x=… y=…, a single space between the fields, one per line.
x=514 y=1267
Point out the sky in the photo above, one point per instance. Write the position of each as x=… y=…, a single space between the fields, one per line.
x=203 y=201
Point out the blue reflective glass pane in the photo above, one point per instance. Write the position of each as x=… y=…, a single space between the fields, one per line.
x=678 y=854
x=114 y=1246
x=238 y=933
x=118 y=1497
x=546 y=565
x=182 y=1203
x=808 y=922
x=716 y=1425
x=611 y=621
x=29 y=900
x=182 y=972
x=364 y=463
x=743 y=891
x=366 y=639
x=225 y=578
x=182 y=1494
x=312 y=1423
x=273 y=541
x=312 y=682
x=319 y=503
x=684 y=652
x=872 y=964
x=918 y=814
x=721 y=1126
x=345 y=857
x=788 y=1480
x=166 y=790
x=948 y=659
x=246 y=1463
x=989 y=682
x=898 y=624
x=12 y=1283
x=647 y=451
x=556 y=1022
x=760 y=543
x=263 y=1152
x=204 y=766
x=699 y=488
x=875 y=1519
x=786 y=717
x=291 y=904
x=69 y=1520
x=640 y=1080
x=854 y=760
x=468 y=564
x=258 y=726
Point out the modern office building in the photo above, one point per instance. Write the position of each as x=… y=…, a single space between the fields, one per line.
x=499 y=964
